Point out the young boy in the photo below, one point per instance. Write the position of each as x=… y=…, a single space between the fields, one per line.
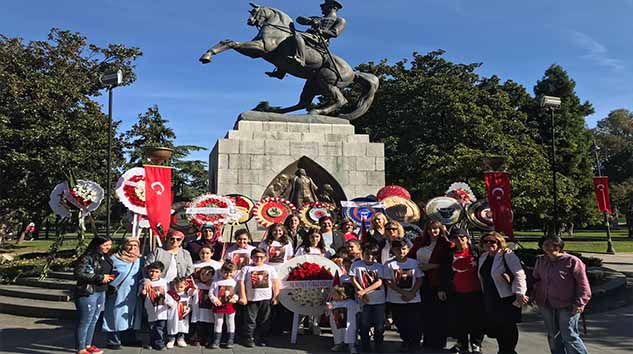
x=259 y=288
x=157 y=304
x=178 y=316
x=354 y=251
x=202 y=314
x=223 y=297
x=366 y=276
x=342 y=312
x=404 y=279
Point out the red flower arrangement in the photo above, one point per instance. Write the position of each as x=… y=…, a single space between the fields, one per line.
x=309 y=271
x=78 y=198
x=131 y=194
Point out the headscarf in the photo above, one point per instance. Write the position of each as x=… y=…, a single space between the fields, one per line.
x=126 y=255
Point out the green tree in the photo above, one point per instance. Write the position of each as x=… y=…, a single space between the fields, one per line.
x=49 y=121
x=614 y=135
x=573 y=144
x=190 y=178
x=439 y=120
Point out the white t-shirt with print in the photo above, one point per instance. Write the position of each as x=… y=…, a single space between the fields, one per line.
x=404 y=275
x=277 y=252
x=157 y=302
x=258 y=282
x=240 y=257
x=201 y=308
x=179 y=315
x=366 y=275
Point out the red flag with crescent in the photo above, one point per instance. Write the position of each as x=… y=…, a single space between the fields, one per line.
x=499 y=199
x=601 y=185
x=158 y=198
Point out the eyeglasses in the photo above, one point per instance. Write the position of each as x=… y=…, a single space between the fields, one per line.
x=490 y=242
x=392 y=229
x=175 y=239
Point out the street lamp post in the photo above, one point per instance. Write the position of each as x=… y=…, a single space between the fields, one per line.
x=610 y=250
x=110 y=80
x=551 y=104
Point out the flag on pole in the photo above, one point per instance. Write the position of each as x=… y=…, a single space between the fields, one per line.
x=158 y=198
x=601 y=185
x=499 y=199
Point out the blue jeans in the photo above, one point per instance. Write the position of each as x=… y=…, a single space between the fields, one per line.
x=372 y=316
x=562 y=331
x=88 y=310
x=157 y=334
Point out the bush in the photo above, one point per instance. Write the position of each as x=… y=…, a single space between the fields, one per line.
x=528 y=257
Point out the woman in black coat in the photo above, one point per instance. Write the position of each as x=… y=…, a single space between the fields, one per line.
x=93 y=272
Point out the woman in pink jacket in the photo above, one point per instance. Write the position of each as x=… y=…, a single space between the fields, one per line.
x=561 y=291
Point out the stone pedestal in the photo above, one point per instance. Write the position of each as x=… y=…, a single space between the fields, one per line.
x=262 y=145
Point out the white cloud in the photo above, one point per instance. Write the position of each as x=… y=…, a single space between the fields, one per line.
x=595 y=51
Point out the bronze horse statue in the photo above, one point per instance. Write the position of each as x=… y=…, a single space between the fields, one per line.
x=325 y=73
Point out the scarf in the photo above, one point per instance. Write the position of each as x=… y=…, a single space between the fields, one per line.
x=129 y=256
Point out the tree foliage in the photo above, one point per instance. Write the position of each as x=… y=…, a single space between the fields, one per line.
x=439 y=120
x=49 y=121
x=190 y=176
x=614 y=135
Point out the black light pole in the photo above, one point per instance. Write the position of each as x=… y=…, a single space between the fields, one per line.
x=110 y=80
x=551 y=104
x=610 y=250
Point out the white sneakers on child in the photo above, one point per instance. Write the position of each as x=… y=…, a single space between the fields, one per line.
x=181 y=342
x=170 y=344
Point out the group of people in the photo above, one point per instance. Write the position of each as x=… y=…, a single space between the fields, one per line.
x=429 y=287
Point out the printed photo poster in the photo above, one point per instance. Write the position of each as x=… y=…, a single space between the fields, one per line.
x=157 y=295
x=240 y=259
x=403 y=278
x=225 y=293
x=276 y=254
x=369 y=277
x=205 y=301
x=259 y=279
x=183 y=309
x=340 y=317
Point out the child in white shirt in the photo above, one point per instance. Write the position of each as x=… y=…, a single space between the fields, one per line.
x=277 y=246
x=315 y=245
x=178 y=316
x=342 y=311
x=157 y=304
x=201 y=313
x=206 y=254
x=259 y=289
x=224 y=297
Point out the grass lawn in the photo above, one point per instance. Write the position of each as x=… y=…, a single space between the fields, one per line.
x=589 y=246
x=580 y=234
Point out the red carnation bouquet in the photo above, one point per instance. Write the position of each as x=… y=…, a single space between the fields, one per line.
x=309 y=271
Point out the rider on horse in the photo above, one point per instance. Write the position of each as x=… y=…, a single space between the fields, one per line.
x=318 y=36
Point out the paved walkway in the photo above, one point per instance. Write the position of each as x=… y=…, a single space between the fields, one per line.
x=622 y=262
x=608 y=333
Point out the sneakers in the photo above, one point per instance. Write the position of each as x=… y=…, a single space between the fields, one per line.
x=475 y=349
x=249 y=343
x=94 y=350
x=181 y=342
x=170 y=344
x=456 y=348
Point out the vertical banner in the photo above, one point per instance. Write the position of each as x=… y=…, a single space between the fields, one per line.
x=601 y=185
x=499 y=199
x=158 y=198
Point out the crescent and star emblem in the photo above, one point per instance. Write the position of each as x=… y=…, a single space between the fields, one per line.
x=601 y=187
x=158 y=188
x=499 y=191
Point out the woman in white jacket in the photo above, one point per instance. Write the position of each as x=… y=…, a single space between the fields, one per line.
x=503 y=282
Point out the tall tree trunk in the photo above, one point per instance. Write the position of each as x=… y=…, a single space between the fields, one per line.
x=629 y=217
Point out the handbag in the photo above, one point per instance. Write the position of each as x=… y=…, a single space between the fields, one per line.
x=508 y=276
x=112 y=290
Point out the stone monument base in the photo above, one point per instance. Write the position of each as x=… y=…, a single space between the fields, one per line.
x=263 y=145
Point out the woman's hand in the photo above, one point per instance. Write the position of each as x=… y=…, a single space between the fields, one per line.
x=108 y=278
x=522 y=299
x=577 y=309
x=243 y=301
x=147 y=287
x=217 y=302
x=275 y=300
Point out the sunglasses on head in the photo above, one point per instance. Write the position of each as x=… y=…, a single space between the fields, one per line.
x=392 y=229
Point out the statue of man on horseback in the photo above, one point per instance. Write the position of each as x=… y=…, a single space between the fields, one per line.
x=304 y=54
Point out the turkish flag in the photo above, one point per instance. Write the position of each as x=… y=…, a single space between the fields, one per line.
x=601 y=185
x=499 y=199
x=158 y=198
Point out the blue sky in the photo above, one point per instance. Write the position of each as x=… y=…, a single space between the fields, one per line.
x=515 y=40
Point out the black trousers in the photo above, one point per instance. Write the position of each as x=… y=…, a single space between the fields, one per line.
x=435 y=325
x=204 y=331
x=468 y=318
x=257 y=321
x=502 y=318
x=407 y=318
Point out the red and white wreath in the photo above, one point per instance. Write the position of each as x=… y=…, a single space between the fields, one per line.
x=130 y=189
x=310 y=213
x=85 y=196
x=273 y=210
x=208 y=218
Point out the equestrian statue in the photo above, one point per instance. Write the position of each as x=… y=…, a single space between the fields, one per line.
x=306 y=55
